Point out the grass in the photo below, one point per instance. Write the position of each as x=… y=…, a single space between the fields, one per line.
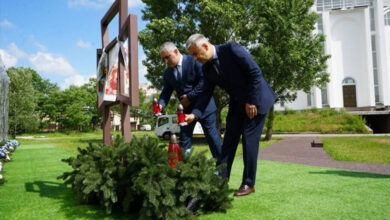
x=283 y=190
x=290 y=191
x=70 y=141
x=318 y=120
x=374 y=149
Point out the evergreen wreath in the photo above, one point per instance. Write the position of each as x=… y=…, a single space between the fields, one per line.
x=137 y=178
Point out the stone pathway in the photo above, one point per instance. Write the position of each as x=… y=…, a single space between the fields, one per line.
x=298 y=150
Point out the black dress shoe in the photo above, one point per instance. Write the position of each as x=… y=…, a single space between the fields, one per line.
x=244 y=190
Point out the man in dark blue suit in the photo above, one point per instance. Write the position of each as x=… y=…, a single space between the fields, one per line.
x=232 y=68
x=184 y=75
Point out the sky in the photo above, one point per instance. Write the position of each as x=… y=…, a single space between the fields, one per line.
x=59 y=38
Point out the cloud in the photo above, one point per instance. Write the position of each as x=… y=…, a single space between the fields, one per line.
x=8 y=59
x=89 y=3
x=83 y=44
x=48 y=63
x=98 y=4
x=134 y=3
x=75 y=80
x=141 y=68
x=6 y=23
x=15 y=51
x=40 y=46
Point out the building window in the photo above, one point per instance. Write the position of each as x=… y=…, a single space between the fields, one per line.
x=372 y=19
x=326 y=5
x=349 y=81
x=320 y=26
x=387 y=18
x=309 y=99
x=324 y=96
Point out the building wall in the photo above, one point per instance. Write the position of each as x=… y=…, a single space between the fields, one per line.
x=348 y=40
x=300 y=103
x=349 y=54
x=387 y=31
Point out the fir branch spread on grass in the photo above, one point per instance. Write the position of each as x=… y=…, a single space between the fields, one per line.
x=138 y=178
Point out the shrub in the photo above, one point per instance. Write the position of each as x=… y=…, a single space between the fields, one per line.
x=137 y=177
x=289 y=111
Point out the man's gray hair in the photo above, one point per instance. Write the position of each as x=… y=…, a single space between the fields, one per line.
x=169 y=46
x=196 y=39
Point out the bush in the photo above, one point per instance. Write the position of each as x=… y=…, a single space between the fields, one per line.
x=289 y=111
x=137 y=178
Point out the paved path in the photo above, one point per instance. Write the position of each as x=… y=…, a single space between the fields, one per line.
x=298 y=150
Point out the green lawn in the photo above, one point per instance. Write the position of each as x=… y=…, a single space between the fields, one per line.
x=374 y=149
x=283 y=190
x=318 y=120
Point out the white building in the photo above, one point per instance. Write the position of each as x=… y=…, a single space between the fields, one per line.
x=357 y=34
x=148 y=90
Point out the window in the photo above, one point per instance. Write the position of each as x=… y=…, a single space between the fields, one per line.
x=372 y=19
x=163 y=121
x=308 y=99
x=349 y=81
x=320 y=25
x=324 y=96
x=387 y=18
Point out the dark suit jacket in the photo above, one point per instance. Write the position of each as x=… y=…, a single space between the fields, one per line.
x=238 y=74
x=191 y=84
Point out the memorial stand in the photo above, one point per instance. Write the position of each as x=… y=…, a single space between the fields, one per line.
x=124 y=96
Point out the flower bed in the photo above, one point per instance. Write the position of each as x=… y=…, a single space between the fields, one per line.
x=6 y=149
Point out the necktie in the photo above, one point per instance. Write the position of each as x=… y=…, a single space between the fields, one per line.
x=215 y=64
x=178 y=73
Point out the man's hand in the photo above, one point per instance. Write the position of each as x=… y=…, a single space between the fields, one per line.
x=190 y=118
x=184 y=100
x=251 y=110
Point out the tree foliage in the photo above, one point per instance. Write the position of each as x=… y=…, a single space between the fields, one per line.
x=22 y=101
x=43 y=92
x=73 y=108
x=176 y=20
x=277 y=33
x=280 y=38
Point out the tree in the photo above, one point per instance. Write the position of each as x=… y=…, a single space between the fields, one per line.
x=76 y=106
x=279 y=34
x=176 y=20
x=138 y=112
x=22 y=101
x=43 y=92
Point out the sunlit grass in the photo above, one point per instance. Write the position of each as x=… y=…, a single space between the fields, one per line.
x=374 y=149
x=283 y=190
x=318 y=120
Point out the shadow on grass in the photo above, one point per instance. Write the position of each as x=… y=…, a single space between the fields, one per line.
x=70 y=206
x=352 y=174
x=90 y=140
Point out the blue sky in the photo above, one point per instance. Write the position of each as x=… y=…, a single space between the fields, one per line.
x=58 y=38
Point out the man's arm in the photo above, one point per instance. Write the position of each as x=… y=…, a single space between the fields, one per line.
x=203 y=101
x=197 y=90
x=253 y=72
x=165 y=93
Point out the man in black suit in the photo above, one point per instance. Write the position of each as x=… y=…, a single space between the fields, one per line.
x=184 y=75
x=232 y=68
